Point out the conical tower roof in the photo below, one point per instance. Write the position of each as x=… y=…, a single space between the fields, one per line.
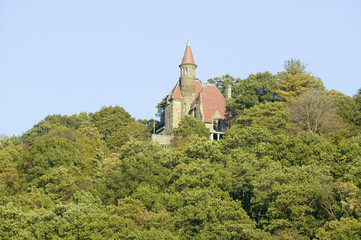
x=188 y=57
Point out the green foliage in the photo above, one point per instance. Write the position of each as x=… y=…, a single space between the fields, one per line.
x=97 y=176
x=346 y=107
x=248 y=137
x=298 y=195
x=149 y=123
x=118 y=127
x=51 y=122
x=189 y=126
x=73 y=121
x=188 y=129
x=10 y=179
x=257 y=88
x=204 y=148
x=110 y=119
x=274 y=116
x=222 y=82
x=295 y=81
x=161 y=107
x=207 y=217
x=138 y=163
x=346 y=228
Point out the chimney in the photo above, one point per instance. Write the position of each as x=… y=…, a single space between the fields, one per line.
x=229 y=92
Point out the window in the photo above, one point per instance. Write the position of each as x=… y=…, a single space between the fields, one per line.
x=215 y=124
x=218 y=125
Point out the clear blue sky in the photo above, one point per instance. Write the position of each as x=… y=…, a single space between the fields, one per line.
x=72 y=56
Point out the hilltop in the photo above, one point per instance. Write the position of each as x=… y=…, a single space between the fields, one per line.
x=288 y=167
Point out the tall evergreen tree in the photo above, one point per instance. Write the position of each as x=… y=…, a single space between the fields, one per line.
x=295 y=80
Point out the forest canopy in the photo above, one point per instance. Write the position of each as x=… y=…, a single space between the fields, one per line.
x=289 y=167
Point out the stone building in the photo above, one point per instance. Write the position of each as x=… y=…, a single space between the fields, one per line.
x=189 y=97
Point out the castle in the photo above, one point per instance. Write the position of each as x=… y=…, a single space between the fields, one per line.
x=189 y=97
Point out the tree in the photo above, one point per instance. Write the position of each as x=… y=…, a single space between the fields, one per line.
x=188 y=126
x=272 y=115
x=346 y=228
x=110 y=119
x=134 y=130
x=161 y=107
x=149 y=123
x=39 y=129
x=295 y=80
x=138 y=162
x=118 y=127
x=207 y=217
x=357 y=98
x=73 y=121
x=222 y=82
x=246 y=137
x=288 y=201
x=53 y=121
x=347 y=107
x=316 y=112
x=257 y=88
x=10 y=178
x=188 y=130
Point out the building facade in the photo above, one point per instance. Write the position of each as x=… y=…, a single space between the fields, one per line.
x=190 y=97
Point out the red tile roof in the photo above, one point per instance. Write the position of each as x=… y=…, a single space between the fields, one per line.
x=212 y=101
x=194 y=102
x=175 y=93
x=198 y=88
x=188 y=57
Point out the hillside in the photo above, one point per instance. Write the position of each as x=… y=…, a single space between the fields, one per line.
x=289 y=167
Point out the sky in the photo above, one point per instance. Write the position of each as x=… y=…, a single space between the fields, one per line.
x=71 y=56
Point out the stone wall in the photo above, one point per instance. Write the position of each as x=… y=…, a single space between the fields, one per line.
x=177 y=113
x=210 y=127
x=172 y=115
x=162 y=139
x=187 y=85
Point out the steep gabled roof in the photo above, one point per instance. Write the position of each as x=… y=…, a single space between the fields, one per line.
x=198 y=88
x=175 y=93
x=194 y=103
x=212 y=101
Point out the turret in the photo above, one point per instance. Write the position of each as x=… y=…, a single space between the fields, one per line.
x=187 y=78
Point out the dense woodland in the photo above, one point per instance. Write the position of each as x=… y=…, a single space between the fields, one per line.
x=289 y=167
